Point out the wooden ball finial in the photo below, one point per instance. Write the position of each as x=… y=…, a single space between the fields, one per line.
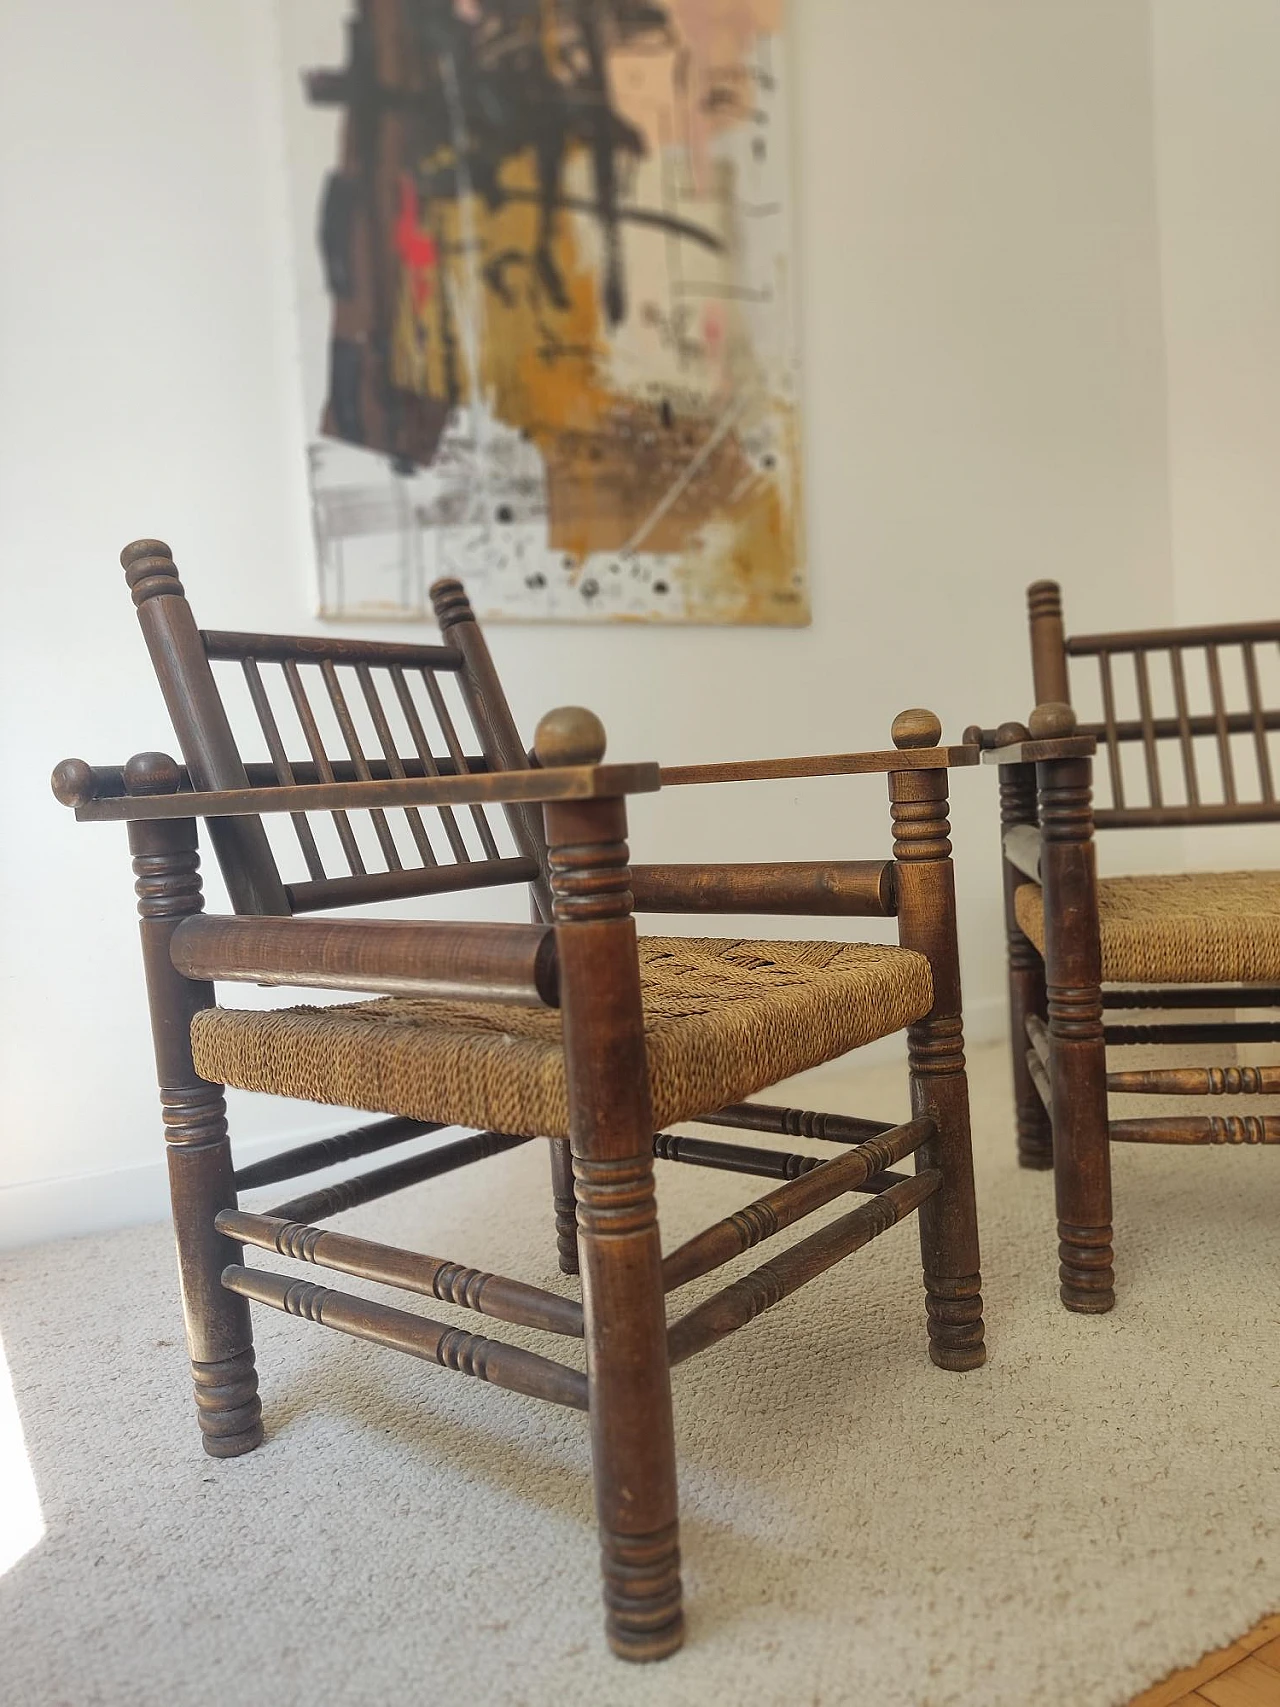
x=570 y=735
x=152 y=773
x=73 y=782
x=1051 y=721
x=916 y=728
x=1012 y=734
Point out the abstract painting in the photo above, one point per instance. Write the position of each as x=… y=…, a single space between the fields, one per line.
x=548 y=306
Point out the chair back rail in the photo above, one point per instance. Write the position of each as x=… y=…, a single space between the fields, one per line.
x=1195 y=705
x=330 y=709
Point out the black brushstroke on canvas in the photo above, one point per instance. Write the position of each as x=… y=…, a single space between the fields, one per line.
x=473 y=88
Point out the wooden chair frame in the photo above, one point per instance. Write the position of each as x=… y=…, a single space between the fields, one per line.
x=1057 y=1001
x=579 y=954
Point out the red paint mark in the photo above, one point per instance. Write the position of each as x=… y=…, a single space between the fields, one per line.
x=414 y=246
x=712 y=328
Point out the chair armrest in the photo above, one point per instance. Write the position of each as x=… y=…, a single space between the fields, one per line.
x=75 y=784
x=424 y=958
x=828 y=764
x=848 y=888
x=916 y=735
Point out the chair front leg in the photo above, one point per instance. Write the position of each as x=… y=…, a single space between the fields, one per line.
x=939 y=1087
x=611 y=1132
x=219 y=1335
x=1077 y=1053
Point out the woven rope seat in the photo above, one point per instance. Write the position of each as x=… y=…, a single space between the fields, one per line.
x=1190 y=928
x=722 y=1019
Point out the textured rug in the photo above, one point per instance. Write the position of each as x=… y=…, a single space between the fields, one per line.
x=1099 y=1504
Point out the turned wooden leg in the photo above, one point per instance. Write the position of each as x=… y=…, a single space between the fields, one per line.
x=611 y=1127
x=927 y=923
x=1026 y=977
x=1078 y=1063
x=562 y=1192
x=633 y=1437
x=219 y=1336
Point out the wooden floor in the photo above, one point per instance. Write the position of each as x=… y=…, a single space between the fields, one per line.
x=1247 y=1674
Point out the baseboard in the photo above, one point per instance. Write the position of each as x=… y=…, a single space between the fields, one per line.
x=35 y=1211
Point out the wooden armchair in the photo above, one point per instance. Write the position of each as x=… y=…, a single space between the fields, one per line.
x=1080 y=948
x=568 y=1028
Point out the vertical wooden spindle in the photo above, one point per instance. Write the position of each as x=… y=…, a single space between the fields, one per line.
x=1077 y=1053
x=280 y=763
x=1220 y=725
x=1026 y=967
x=1115 y=765
x=419 y=737
x=1151 y=758
x=201 y=1181
x=611 y=1133
x=387 y=741
x=451 y=741
x=324 y=770
x=935 y=1046
x=1185 y=743
x=1260 y=747
x=346 y=723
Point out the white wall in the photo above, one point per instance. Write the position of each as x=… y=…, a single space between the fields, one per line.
x=984 y=403
x=1217 y=113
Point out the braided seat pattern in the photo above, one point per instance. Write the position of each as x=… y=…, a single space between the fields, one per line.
x=723 y=1019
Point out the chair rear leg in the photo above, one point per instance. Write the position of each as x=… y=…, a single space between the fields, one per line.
x=219 y=1335
x=565 y=1208
x=1077 y=1053
x=927 y=923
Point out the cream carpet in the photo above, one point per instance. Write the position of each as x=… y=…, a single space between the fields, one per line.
x=1098 y=1505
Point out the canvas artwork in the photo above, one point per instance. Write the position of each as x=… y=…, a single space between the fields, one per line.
x=547 y=306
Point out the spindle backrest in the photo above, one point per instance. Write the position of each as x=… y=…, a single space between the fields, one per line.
x=1198 y=705
x=387 y=711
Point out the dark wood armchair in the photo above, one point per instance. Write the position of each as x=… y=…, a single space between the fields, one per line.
x=1179 y=753
x=568 y=1028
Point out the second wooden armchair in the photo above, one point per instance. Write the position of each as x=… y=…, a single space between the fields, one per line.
x=570 y=1029
x=1083 y=949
